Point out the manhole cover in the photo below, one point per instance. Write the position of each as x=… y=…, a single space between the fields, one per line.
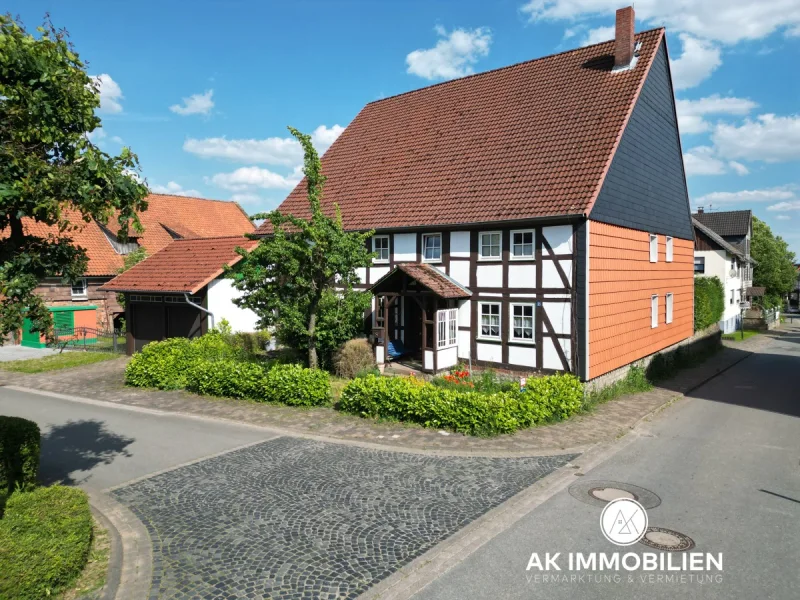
x=666 y=540
x=600 y=493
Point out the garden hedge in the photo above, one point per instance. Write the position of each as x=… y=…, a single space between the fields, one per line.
x=20 y=441
x=472 y=412
x=45 y=538
x=709 y=302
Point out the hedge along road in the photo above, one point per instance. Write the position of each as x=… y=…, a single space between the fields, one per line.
x=247 y=513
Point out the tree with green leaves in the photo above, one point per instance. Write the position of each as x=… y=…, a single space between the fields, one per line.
x=128 y=261
x=50 y=172
x=300 y=280
x=775 y=268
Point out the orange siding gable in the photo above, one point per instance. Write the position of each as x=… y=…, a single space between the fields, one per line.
x=621 y=281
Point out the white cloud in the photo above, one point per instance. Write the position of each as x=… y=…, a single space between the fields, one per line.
x=96 y=135
x=724 y=21
x=246 y=198
x=248 y=178
x=748 y=196
x=768 y=138
x=783 y=218
x=272 y=151
x=196 y=104
x=738 y=167
x=110 y=93
x=691 y=112
x=452 y=56
x=698 y=60
x=600 y=34
x=701 y=161
x=173 y=189
x=785 y=206
x=117 y=140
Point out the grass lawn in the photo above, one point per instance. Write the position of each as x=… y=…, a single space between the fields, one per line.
x=57 y=361
x=737 y=337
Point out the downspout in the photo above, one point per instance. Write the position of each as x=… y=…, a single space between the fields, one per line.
x=198 y=307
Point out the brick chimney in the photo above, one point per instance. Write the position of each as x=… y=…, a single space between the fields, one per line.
x=623 y=39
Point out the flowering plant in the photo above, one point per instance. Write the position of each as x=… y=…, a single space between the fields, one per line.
x=459 y=377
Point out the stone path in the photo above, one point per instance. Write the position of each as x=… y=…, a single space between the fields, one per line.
x=295 y=518
x=103 y=381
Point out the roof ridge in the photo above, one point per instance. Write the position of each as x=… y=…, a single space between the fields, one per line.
x=152 y=193
x=503 y=68
x=211 y=237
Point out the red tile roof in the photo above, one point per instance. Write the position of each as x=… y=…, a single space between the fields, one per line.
x=188 y=217
x=530 y=140
x=431 y=277
x=183 y=266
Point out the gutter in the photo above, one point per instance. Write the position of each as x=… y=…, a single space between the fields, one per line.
x=200 y=308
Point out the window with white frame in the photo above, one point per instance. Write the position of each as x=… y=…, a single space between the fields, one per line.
x=380 y=246
x=653 y=248
x=522 y=244
x=489 y=243
x=79 y=289
x=654 y=311
x=490 y=320
x=669 y=248
x=447 y=327
x=432 y=247
x=669 y=307
x=522 y=323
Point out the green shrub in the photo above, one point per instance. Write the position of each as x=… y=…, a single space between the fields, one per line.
x=297 y=386
x=354 y=357
x=164 y=365
x=465 y=411
x=227 y=378
x=709 y=302
x=45 y=538
x=20 y=441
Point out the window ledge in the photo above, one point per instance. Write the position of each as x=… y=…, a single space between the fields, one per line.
x=496 y=340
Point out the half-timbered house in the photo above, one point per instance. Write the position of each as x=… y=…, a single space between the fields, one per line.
x=532 y=218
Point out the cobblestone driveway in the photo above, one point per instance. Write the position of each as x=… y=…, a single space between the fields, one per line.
x=293 y=518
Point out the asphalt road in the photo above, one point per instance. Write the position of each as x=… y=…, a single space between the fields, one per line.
x=97 y=446
x=725 y=465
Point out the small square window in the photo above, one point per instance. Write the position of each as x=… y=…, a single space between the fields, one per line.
x=490 y=320
x=669 y=307
x=669 y=249
x=489 y=245
x=522 y=322
x=653 y=248
x=380 y=246
x=522 y=244
x=699 y=264
x=79 y=289
x=432 y=247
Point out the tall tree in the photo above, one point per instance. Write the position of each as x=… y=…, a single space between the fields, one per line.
x=50 y=172
x=300 y=279
x=775 y=268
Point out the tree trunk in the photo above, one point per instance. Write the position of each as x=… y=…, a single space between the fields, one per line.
x=313 y=360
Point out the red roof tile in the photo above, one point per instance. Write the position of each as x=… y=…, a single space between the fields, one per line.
x=530 y=140
x=183 y=266
x=188 y=217
x=429 y=276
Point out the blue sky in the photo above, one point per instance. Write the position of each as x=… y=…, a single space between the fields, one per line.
x=203 y=91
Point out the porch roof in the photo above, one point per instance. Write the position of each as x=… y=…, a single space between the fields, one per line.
x=426 y=275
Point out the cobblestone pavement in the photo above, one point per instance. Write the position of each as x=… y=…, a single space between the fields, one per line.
x=294 y=518
x=103 y=381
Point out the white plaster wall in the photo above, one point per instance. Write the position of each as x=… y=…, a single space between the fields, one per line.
x=379 y=356
x=428 y=359
x=718 y=263
x=459 y=244
x=463 y=343
x=361 y=273
x=490 y=352
x=559 y=315
x=550 y=276
x=550 y=358
x=522 y=355
x=521 y=276
x=405 y=247
x=559 y=237
x=375 y=273
x=220 y=302
x=447 y=357
x=464 y=313
x=459 y=270
x=490 y=276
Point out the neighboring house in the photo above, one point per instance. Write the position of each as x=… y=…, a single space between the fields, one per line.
x=180 y=291
x=166 y=219
x=530 y=218
x=714 y=257
x=736 y=228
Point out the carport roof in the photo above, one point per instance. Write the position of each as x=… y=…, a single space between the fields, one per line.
x=183 y=266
